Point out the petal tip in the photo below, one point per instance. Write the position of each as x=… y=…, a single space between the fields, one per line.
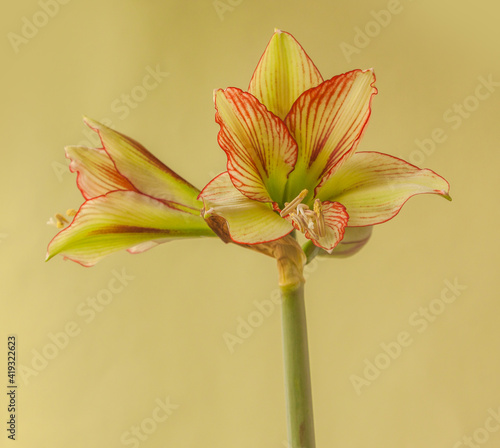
x=87 y=120
x=214 y=94
x=93 y=124
x=50 y=254
x=446 y=195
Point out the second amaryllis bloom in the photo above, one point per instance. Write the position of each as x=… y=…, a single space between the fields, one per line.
x=291 y=143
x=132 y=201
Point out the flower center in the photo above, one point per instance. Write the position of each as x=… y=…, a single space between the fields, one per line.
x=305 y=219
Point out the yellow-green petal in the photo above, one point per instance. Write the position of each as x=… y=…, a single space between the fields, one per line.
x=373 y=186
x=96 y=173
x=283 y=73
x=248 y=221
x=122 y=220
x=143 y=170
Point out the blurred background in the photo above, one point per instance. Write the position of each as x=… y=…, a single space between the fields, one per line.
x=181 y=346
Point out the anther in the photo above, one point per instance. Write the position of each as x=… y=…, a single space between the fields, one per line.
x=289 y=206
x=60 y=221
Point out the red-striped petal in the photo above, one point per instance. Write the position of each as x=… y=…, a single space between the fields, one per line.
x=96 y=173
x=327 y=123
x=122 y=220
x=373 y=186
x=142 y=169
x=283 y=73
x=260 y=151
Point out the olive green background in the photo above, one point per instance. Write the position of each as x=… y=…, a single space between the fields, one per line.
x=164 y=330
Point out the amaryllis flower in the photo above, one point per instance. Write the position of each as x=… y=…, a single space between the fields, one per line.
x=291 y=143
x=132 y=201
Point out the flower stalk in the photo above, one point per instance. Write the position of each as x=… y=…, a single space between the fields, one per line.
x=300 y=422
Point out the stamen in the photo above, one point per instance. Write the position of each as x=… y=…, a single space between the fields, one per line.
x=313 y=234
x=320 y=218
x=304 y=219
x=289 y=206
x=207 y=213
x=60 y=221
x=302 y=209
x=299 y=220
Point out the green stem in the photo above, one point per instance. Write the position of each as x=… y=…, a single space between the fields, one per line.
x=311 y=250
x=300 y=421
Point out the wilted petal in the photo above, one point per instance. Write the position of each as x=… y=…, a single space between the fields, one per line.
x=373 y=186
x=248 y=221
x=336 y=218
x=96 y=173
x=327 y=122
x=283 y=73
x=148 y=174
x=260 y=151
x=121 y=220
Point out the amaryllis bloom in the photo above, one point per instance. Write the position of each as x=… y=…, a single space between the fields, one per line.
x=132 y=201
x=291 y=143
